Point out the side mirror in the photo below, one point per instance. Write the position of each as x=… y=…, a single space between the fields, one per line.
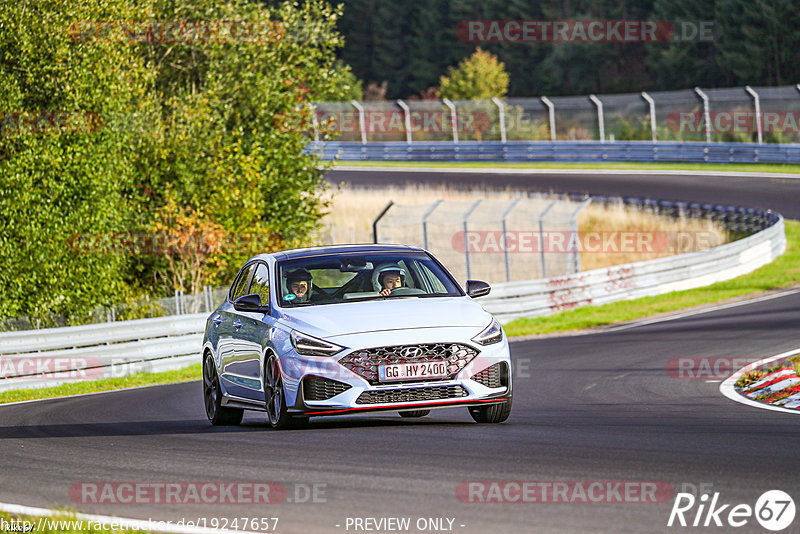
x=476 y=288
x=250 y=303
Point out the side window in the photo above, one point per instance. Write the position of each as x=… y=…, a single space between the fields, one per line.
x=241 y=283
x=260 y=284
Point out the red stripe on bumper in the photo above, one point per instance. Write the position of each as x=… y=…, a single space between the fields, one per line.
x=390 y=406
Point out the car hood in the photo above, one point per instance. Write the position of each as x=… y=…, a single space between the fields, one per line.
x=332 y=320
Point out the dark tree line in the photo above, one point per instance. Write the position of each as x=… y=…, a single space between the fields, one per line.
x=410 y=44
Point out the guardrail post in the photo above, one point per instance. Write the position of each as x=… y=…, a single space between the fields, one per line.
x=541 y=236
x=757 y=101
x=466 y=241
x=706 y=112
x=502 y=109
x=407 y=119
x=652 y=105
x=505 y=237
x=378 y=218
x=600 y=121
x=551 y=111
x=453 y=117
x=425 y=223
x=361 y=121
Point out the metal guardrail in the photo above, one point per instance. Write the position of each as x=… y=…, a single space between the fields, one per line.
x=533 y=298
x=47 y=357
x=562 y=151
x=52 y=356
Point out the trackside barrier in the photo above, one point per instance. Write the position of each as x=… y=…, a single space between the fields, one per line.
x=562 y=151
x=533 y=298
x=51 y=356
x=47 y=357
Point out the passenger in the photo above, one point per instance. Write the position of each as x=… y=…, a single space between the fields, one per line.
x=299 y=284
x=389 y=277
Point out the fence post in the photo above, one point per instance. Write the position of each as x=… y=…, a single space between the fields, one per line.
x=453 y=117
x=361 y=122
x=541 y=236
x=505 y=237
x=652 y=105
x=407 y=121
x=425 y=223
x=600 y=118
x=706 y=112
x=466 y=241
x=378 y=218
x=314 y=122
x=759 y=126
x=178 y=293
x=502 y=110
x=573 y=223
x=551 y=111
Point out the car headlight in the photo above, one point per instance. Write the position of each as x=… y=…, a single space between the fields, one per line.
x=312 y=346
x=490 y=335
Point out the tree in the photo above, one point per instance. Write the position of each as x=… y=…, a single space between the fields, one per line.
x=479 y=76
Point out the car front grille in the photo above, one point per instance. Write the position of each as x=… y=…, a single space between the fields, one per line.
x=365 y=362
x=410 y=395
x=491 y=377
x=316 y=388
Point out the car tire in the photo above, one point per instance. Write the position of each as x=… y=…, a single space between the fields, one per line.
x=415 y=413
x=212 y=397
x=275 y=397
x=493 y=413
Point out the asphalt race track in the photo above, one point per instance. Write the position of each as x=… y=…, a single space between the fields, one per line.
x=597 y=407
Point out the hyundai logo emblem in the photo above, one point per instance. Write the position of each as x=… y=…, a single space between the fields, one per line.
x=412 y=352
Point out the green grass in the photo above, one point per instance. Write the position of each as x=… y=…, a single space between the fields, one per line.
x=781 y=273
x=63 y=523
x=739 y=167
x=187 y=374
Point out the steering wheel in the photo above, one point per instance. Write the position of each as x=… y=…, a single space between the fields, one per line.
x=400 y=291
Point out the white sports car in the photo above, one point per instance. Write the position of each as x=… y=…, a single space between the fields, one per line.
x=349 y=329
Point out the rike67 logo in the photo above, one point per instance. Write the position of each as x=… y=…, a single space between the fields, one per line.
x=774 y=510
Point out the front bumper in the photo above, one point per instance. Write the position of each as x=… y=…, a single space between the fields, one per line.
x=352 y=393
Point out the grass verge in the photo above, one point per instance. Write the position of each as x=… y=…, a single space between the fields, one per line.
x=187 y=374
x=781 y=273
x=732 y=167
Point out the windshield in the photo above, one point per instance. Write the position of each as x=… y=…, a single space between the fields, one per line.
x=332 y=279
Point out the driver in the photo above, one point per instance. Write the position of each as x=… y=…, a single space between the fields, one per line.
x=298 y=282
x=389 y=277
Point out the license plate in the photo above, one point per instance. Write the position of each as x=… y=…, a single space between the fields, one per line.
x=410 y=371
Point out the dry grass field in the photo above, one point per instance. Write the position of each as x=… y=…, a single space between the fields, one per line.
x=354 y=209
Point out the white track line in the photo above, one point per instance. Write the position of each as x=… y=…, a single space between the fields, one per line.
x=121 y=523
x=622 y=172
x=727 y=386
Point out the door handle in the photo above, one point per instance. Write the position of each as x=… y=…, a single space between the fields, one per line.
x=217 y=320
x=237 y=325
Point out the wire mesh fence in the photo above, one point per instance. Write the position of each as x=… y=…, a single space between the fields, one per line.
x=179 y=304
x=736 y=114
x=493 y=240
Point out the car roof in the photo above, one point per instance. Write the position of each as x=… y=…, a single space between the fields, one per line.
x=337 y=249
